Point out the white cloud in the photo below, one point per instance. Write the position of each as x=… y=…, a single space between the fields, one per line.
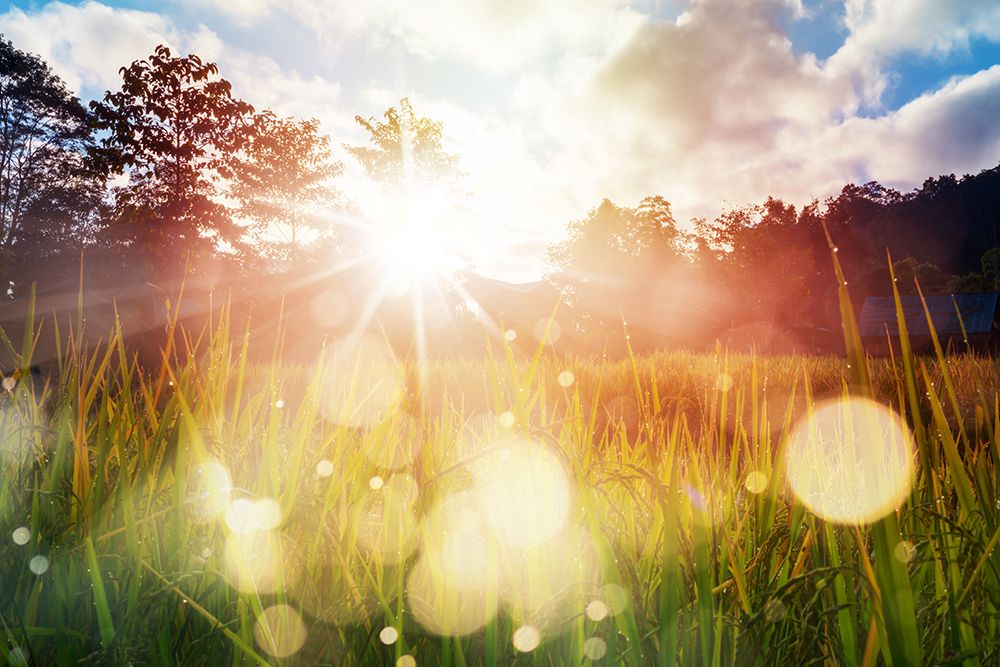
x=882 y=29
x=499 y=35
x=718 y=107
x=951 y=130
x=88 y=43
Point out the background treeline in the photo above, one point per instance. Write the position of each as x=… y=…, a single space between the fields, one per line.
x=173 y=177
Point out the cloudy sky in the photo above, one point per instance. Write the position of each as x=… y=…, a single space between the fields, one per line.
x=555 y=104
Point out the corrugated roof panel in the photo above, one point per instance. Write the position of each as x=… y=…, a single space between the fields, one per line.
x=878 y=314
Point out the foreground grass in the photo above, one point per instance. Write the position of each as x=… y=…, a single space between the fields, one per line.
x=636 y=512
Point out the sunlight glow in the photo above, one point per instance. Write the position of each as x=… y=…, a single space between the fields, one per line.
x=851 y=461
x=413 y=239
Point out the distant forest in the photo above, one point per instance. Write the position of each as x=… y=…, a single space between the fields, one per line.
x=171 y=175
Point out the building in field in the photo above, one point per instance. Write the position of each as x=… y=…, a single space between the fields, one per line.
x=958 y=319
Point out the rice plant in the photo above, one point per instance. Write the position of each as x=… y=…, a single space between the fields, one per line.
x=676 y=508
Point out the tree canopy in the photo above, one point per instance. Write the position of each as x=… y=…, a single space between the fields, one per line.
x=284 y=181
x=49 y=197
x=173 y=127
x=404 y=146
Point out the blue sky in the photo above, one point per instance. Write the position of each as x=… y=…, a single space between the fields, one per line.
x=555 y=104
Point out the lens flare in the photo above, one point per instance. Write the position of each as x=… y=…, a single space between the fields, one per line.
x=38 y=565
x=566 y=379
x=388 y=635
x=905 y=551
x=597 y=610
x=547 y=332
x=851 y=461
x=616 y=597
x=244 y=516
x=260 y=561
x=280 y=631
x=209 y=490
x=526 y=638
x=755 y=482
x=324 y=468
x=595 y=648
x=362 y=385
x=543 y=583
x=21 y=536
x=388 y=526
x=452 y=589
x=524 y=492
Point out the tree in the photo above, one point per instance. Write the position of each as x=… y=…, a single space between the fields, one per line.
x=173 y=127
x=932 y=280
x=404 y=146
x=990 y=264
x=284 y=181
x=48 y=198
x=615 y=260
x=773 y=262
x=412 y=196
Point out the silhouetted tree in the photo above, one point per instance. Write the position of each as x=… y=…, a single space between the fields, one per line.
x=284 y=181
x=48 y=198
x=931 y=278
x=772 y=264
x=173 y=127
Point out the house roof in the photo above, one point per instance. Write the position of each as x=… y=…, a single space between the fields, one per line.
x=977 y=309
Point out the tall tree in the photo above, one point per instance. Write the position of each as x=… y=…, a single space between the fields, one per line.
x=284 y=182
x=48 y=197
x=173 y=127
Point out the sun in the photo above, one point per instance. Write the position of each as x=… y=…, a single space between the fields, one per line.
x=413 y=255
x=416 y=240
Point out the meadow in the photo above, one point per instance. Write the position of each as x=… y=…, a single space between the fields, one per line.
x=674 y=508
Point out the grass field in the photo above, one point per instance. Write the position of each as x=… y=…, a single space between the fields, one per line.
x=529 y=511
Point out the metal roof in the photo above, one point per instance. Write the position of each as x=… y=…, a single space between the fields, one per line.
x=978 y=309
